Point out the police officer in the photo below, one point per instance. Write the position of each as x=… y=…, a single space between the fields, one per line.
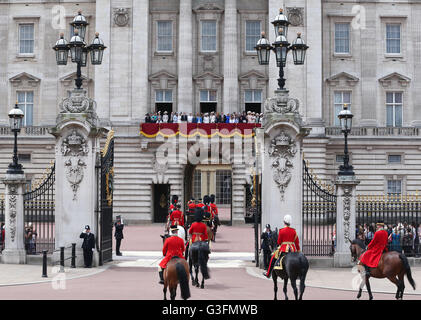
x=266 y=246
x=88 y=246
x=118 y=234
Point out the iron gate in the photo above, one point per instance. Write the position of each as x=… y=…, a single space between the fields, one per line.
x=39 y=215
x=319 y=216
x=105 y=179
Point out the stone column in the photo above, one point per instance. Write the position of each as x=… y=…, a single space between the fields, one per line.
x=140 y=57
x=102 y=72
x=185 y=58
x=345 y=219
x=77 y=146
x=230 y=101
x=282 y=161
x=14 y=252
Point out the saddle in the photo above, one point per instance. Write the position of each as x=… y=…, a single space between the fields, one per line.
x=279 y=263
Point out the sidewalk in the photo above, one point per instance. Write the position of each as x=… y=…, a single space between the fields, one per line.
x=20 y=274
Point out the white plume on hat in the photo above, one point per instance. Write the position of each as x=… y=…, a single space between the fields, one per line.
x=287 y=219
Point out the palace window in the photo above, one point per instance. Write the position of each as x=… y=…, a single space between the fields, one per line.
x=26 y=38
x=163 y=101
x=342 y=37
x=223 y=186
x=208 y=100
x=253 y=100
x=208 y=35
x=394 y=109
x=165 y=36
x=340 y=99
x=393 y=38
x=26 y=104
x=394 y=158
x=253 y=30
x=394 y=187
x=197 y=184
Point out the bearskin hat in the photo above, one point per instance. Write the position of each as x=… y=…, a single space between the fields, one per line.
x=174 y=199
x=198 y=214
x=212 y=198
x=206 y=199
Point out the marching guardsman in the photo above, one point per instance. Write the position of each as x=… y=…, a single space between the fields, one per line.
x=207 y=216
x=214 y=210
x=198 y=229
x=200 y=204
x=371 y=258
x=174 y=200
x=173 y=247
x=191 y=205
x=287 y=242
x=177 y=217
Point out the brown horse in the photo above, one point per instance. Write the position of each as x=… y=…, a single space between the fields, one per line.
x=392 y=265
x=177 y=271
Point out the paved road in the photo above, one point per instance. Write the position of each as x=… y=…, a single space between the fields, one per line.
x=233 y=275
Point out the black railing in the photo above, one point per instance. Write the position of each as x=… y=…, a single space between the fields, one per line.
x=401 y=215
x=39 y=216
x=319 y=217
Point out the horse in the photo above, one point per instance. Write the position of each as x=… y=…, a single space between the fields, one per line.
x=177 y=272
x=392 y=265
x=216 y=223
x=198 y=258
x=294 y=266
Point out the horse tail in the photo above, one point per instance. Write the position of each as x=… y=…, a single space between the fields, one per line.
x=183 y=280
x=407 y=269
x=203 y=252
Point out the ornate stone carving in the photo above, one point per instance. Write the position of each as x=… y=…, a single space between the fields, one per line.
x=282 y=103
x=296 y=16
x=77 y=103
x=347 y=211
x=282 y=150
x=12 y=211
x=74 y=147
x=74 y=173
x=121 y=16
x=160 y=166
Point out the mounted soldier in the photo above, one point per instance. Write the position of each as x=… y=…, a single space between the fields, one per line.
x=172 y=207
x=287 y=241
x=173 y=247
x=375 y=249
x=207 y=216
x=215 y=218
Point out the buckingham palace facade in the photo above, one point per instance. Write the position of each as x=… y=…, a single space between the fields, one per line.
x=196 y=56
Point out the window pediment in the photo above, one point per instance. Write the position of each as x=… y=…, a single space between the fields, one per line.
x=163 y=80
x=336 y=79
x=394 y=79
x=25 y=79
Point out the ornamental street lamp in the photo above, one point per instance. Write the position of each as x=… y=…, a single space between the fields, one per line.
x=281 y=47
x=16 y=119
x=345 y=118
x=78 y=48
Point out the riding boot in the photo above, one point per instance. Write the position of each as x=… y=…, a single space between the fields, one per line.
x=367 y=270
x=269 y=272
x=161 y=277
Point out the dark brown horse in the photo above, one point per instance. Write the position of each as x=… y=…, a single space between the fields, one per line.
x=392 y=265
x=177 y=272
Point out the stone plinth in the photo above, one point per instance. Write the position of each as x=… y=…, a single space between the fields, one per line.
x=281 y=137
x=14 y=252
x=345 y=219
x=77 y=149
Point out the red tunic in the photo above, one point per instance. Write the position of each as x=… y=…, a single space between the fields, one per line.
x=375 y=248
x=288 y=240
x=192 y=206
x=199 y=231
x=173 y=247
x=214 y=209
x=177 y=217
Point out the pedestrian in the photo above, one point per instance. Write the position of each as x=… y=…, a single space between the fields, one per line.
x=118 y=234
x=407 y=242
x=370 y=234
x=2 y=234
x=266 y=246
x=88 y=246
x=395 y=239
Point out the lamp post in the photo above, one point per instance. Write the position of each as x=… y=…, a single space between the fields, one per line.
x=78 y=48
x=345 y=118
x=281 y=47
x=16 y=119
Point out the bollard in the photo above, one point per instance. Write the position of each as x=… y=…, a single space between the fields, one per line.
x=61 y=259
x=73 y=255
x=44 y=264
